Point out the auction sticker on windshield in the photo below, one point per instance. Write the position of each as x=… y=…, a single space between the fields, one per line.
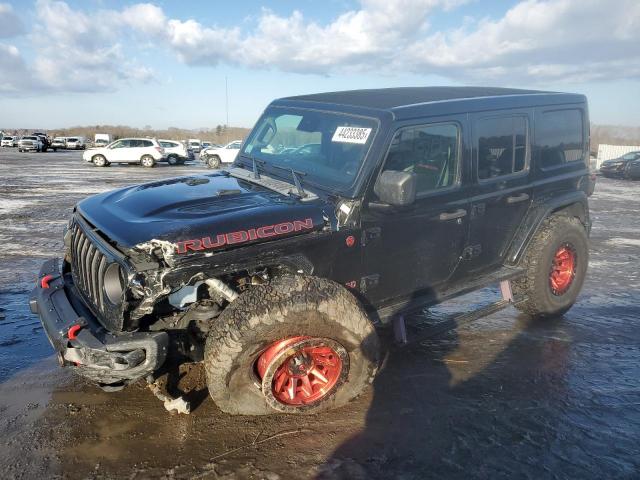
x=351 y=135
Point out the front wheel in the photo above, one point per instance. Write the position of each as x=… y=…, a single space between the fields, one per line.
x=555 y=268
x=147 y=161
x=213 y=161
x=296 y=345
x=172 y=160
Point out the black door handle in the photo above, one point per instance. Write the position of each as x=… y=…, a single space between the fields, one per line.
x=453 y=215
x=518 y=198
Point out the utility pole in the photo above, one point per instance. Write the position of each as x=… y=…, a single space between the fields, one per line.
x=226 y=94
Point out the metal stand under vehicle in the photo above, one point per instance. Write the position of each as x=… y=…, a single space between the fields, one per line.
x=454 y=321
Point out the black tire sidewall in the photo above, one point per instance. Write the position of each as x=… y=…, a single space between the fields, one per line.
x=573 y=235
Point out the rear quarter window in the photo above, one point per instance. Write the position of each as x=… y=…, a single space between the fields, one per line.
x=559 y=137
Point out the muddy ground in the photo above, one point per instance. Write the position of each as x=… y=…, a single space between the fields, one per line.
x=503 y=397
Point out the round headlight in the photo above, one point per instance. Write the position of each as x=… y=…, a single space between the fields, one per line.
x=113 y=283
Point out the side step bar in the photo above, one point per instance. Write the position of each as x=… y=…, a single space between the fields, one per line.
x=454 y=321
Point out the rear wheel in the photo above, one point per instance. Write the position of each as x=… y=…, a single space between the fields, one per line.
x=99 y=160
x=147 y=161
x=172 y=160
x=296 y=345
x=556 y=265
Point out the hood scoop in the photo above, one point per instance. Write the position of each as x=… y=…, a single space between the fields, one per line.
x=221 y=204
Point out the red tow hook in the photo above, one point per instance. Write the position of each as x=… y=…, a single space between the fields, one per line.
x=44 y=282
x=72 y=333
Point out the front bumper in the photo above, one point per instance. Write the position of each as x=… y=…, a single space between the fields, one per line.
x=612 y=170
x=80 y=341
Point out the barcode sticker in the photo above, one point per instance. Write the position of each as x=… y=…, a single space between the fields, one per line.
x=351 y=135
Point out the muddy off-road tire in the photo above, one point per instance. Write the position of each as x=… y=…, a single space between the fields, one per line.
x=305 y=313
x=556 y=264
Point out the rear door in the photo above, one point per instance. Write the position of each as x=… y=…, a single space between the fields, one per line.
x=412 y=250
x=502 y=193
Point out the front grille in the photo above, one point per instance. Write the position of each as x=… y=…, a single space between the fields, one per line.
x=88 y=264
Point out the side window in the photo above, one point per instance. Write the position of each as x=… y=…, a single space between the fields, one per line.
x=559 y=137
x=166 y=144
x=121 y=144
x=502 y=146
x=146 y=143
x=430 y=152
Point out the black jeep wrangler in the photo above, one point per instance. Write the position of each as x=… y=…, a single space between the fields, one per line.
x=342 y=211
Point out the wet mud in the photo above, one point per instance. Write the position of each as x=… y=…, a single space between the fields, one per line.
x=503 y=397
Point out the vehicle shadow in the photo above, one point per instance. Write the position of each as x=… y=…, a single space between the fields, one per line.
x=472 y=403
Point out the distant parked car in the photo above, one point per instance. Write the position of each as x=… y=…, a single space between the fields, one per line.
x=102 y=140
x=76 y=143
x=30 y=143
x=46 y=141
x=175 y=151
x=145 y=151
x=194 y=144
x=214 y=157
x=619 y=167
x=9 y=141
x=59 y=142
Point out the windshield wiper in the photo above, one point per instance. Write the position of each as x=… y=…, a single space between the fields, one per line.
x=254 y=164
x=296 y=174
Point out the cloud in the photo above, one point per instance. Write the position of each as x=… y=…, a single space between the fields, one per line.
x=77 y=51
x=10 y=23
x=13 y=71
x=81 y=52
x=561 y=40
x=363 y=39
x=534 y=42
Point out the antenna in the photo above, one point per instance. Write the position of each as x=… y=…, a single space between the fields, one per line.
x=226 y=94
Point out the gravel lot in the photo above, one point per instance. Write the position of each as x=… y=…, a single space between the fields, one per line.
x=503 y=397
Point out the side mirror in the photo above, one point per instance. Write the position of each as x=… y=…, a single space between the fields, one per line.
x=396 y=188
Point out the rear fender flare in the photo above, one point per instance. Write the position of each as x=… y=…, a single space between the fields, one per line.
x=573 y=204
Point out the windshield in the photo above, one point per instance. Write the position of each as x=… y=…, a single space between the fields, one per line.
x=328 y=147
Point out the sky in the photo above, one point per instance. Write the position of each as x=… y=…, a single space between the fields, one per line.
x=165 y=63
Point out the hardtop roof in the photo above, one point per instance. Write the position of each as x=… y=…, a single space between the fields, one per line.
x=394 y=98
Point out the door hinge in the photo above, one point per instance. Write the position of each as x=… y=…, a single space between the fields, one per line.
x=472 y=251
x=369 y=234
x=369 y=282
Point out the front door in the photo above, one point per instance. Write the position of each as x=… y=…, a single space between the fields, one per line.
x=501 y=194
x=409 y=251
x=118 y=151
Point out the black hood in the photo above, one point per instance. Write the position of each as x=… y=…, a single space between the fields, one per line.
x=199 y=207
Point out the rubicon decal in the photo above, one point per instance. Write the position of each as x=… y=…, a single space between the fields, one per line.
x=242 y=236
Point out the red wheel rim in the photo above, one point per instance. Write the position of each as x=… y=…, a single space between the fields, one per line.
x=563 y=270
x=306 y=370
